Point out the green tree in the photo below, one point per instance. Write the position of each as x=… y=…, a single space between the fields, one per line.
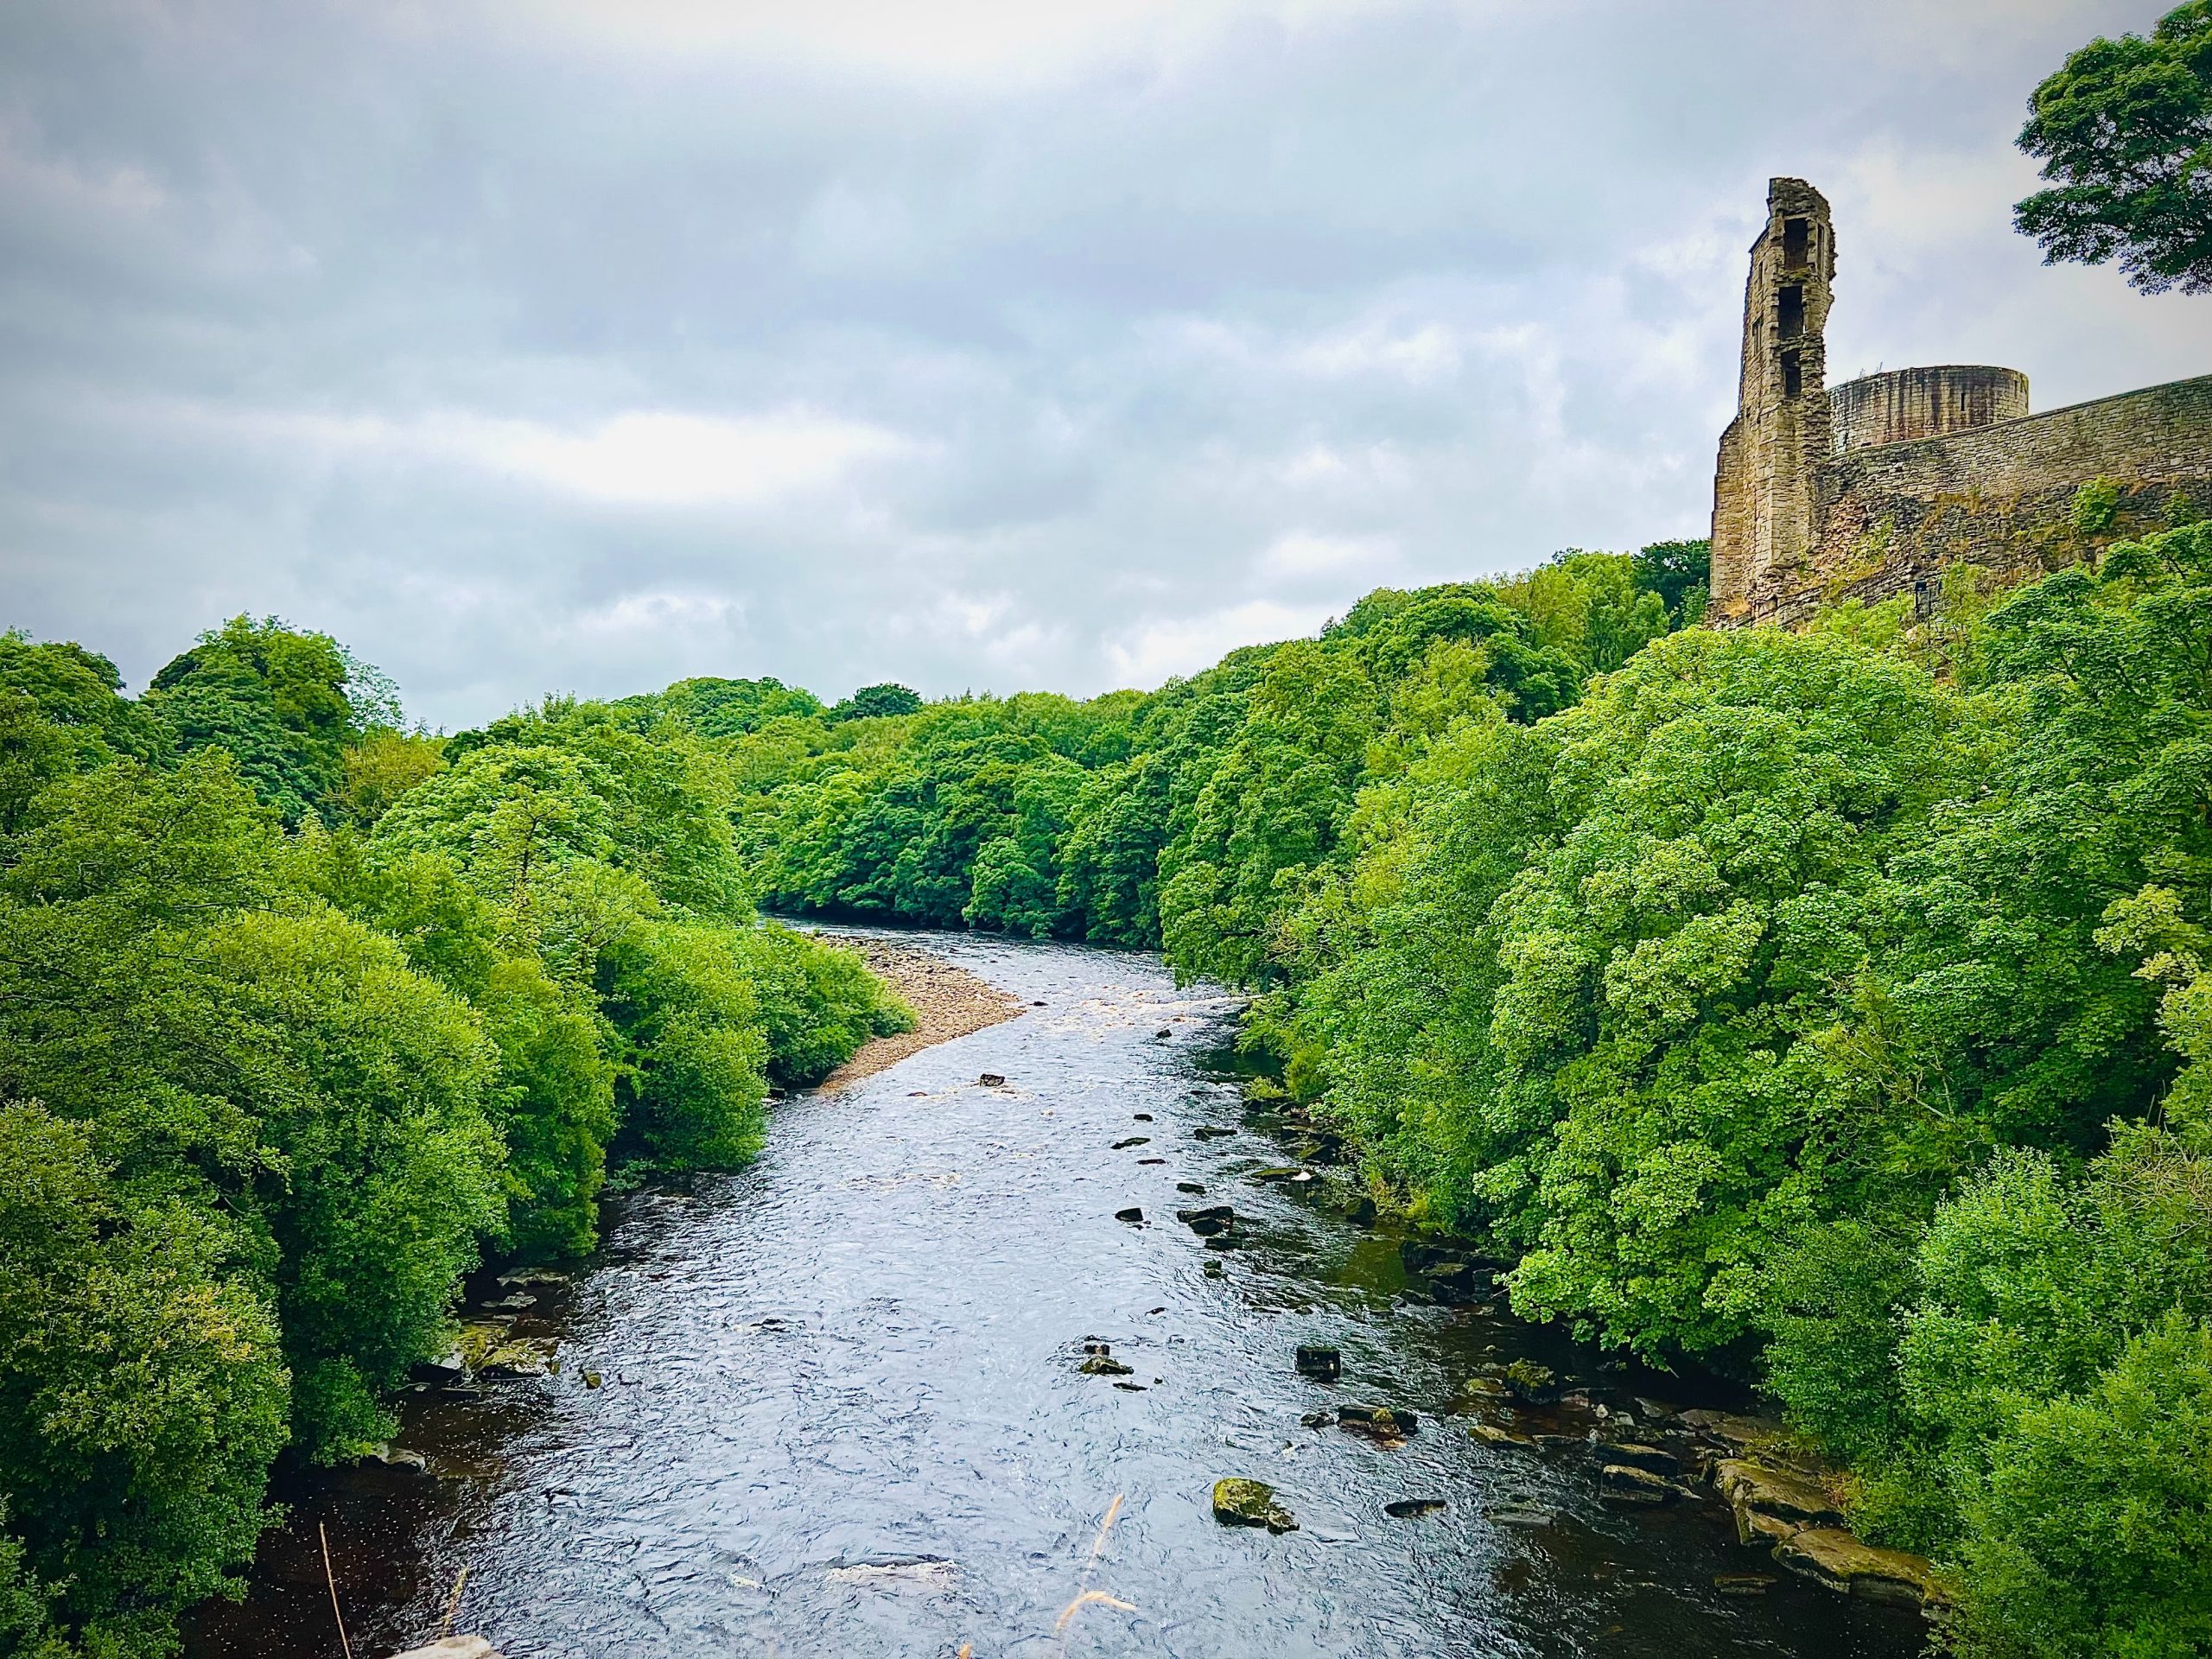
x=2092 y=1536
x=2124 y=132
x=877 y=702
x=142 y=1397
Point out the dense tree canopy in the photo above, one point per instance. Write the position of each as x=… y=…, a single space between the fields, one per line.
x=1830 y=1006
x=2124 y=132
x=300 y=1014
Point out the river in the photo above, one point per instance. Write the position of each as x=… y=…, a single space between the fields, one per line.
x=839 y=1413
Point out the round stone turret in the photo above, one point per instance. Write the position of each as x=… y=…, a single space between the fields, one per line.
x=1906 y=404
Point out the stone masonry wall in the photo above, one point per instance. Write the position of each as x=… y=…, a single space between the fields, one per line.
x=1901 y=405
x=1893 y=515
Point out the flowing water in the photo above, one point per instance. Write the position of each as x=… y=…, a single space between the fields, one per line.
x=839 y=1414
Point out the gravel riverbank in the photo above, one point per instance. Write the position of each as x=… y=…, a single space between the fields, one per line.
x=948 y=1002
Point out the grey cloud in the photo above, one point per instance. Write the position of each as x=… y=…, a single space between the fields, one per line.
x=525 y=357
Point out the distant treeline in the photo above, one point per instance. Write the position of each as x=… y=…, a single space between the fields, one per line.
x=299 y=1014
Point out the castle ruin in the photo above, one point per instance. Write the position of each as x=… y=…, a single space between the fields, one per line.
x=1869 y=490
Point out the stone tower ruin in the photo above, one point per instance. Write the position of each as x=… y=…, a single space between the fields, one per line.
x=1868 y=489
x=1764 y=522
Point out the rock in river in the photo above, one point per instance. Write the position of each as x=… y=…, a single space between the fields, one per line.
x=1624 y=1482
x=1405 y=1509
x=1529 y=1383
x=1771 y=1502
x=1378 y=1423
x=1133 y=1140
x=1098 y=1361
x=1250 y=1504
x=1212 y=1219
x=1323 y=1364
x=1832 y=1556
x=1133 y=1214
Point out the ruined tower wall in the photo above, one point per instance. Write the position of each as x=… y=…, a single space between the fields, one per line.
x=1907 y=403
x=1765 y=478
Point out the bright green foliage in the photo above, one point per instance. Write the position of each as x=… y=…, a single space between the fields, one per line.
x=283 y=703
x=877 y=702
x=1273 y=810
x=62 y=711
x=1652 y=913
x=1680 y=574
x=284 y=1086
x=1192 y=817
x=383 y=766
x=2124 y=131
x=818 y=1004
x=730 y=707
x=2092 y=1536
x=540 y=791
x=142 y=1397
x=692 y=1061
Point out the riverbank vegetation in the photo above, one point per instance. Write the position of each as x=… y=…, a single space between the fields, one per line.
x=300 y=1015
x=1830 y=1007
x=1823 y=1005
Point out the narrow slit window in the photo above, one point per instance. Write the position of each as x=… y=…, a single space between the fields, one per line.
x=1793 y=375
x=1792 y=311
x=1797 y=243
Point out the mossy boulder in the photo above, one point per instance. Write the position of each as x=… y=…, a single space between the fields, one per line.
x=1238 y=1502
x=1531 y=1384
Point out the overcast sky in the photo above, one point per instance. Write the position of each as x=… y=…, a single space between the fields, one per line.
x=590 y=344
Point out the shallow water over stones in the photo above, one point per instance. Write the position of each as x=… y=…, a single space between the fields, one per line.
x=836 y=1406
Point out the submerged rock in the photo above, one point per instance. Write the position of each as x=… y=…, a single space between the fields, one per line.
x=1378 y=1423
x=1211 y=1132
x=1212 y=1219
x=891 y=1571
x=1493 y=1434
x=1742 y=1585
x=1198 y=1189
x=1405 y=1509
x=393 y=1456
x=1133 y=1140
x=1524 y=1515
x=521 y=1356
x=453 y=1647
x=1323 y=1364
x=1215 y=1270
x=1238 y=1502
